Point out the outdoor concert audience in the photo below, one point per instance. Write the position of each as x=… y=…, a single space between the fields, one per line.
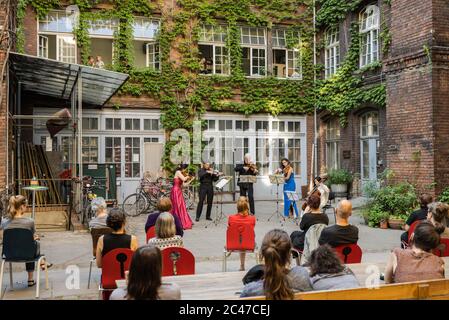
x=418 y=215
x=99 y=207
x=417 y=263
x=437 y=214
x=163 y=205
x=116 y=220
x=315 y=216
x=327 y=272
x=242 y=217
x=341 y=232
x=275 y=279
x=144 y=280
x=166 y=236
x=17 y=220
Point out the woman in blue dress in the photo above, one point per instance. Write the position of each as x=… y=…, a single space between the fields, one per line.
x=289 y=185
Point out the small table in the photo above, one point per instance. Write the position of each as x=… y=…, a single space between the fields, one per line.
x=34 y=189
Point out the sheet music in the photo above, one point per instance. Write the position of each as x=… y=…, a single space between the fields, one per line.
x=220 y=184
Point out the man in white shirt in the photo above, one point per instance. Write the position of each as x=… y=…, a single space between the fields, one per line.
x=323 y=189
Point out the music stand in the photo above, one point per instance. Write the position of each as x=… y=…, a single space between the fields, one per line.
x=248 y=179
x=293 y=196
x=277 y=179
x=224 y=180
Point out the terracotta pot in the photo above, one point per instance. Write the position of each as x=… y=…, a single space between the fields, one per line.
x=384 y=224
x=396 y=223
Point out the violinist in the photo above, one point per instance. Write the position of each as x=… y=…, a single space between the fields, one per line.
x=289 y=185
x=179 y=208
x=245 y=169
x=207 y=176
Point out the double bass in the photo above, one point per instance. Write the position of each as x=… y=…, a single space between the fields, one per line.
x=314 y=191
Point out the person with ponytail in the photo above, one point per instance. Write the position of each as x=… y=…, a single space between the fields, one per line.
x=279 y=281
x=418 y=262
x=17 y=220
x=437 y=214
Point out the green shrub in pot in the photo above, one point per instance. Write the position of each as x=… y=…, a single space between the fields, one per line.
x=339 y=176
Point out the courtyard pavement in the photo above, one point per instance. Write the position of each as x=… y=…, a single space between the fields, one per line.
x=70 y=251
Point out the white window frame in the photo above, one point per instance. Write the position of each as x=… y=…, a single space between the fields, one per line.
x=59 y=56
x=291 y=63
x=210 y=31
x=255 y=46
x=152 y=20
x=333 y=143
x=43 y=46
x=332 y=51
x=90 y=148
x=156 y=63
x=369 y=35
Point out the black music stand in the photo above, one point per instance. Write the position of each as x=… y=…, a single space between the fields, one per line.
x=277 y=179
x=219 y=187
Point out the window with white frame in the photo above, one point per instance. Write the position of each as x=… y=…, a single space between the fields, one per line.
x=242 y=125
x=151 y=124
x=332 y=51
x=132 y=157
x=210 y=125
x=113 y=124
x=253 y=42
x=101 y=33
x=43 y=46
x=225 y=125
x=90 y=123
x=55 y=36
x=151 y=139
x=214 y=54
x=278 y=126
x=278 y=152
x=113 y=153
x=263 y=155
x=294 y=154
x=89 y=149
x=146 y=49
x=294 y=126
x=262 y=125
x=369 y=34
x=369 y=125
x=132 y=124
x=286 y=61
x=333 y=144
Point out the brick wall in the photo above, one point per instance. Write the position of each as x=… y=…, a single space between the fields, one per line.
x=30 y=30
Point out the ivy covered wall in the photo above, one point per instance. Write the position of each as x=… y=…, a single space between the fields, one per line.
x=184 y=94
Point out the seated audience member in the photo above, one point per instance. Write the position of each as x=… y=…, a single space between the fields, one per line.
x=416 y=263
x=144 y=280
x=341 y=232
x=315 y=216
x=242 y=216
x=437 y=214
x=99 y=207
x=278 y=281
x=418 y=215
x=116 y=220
x=166 y=232
x=163 y=205
x=17 y=220
x=327 y=272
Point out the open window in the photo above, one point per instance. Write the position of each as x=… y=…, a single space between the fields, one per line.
x=253 y=41
x=146 y=49
x=214 y=55
x=101 y=33
x=286 y=60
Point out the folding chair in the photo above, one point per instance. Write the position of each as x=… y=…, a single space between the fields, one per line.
x=177 y=261
x=349 y=253
x=96 y=233
x=114 y=265
x=151 y=233
x=240 y=237
x=19 y=246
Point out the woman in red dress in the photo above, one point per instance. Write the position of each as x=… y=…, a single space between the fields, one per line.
x=178 y=204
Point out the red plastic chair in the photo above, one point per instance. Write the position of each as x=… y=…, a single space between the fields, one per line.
x=177 y=261
x=151 y=233
x=240 y=237
x=114 y=265
x=443 y=249
x=349 y=253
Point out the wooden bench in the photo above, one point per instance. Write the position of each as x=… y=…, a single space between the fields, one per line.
x=228 y=286
x=429 y=289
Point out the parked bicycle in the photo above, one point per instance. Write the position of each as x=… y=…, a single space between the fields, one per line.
x=146 y=196
x=88 y=195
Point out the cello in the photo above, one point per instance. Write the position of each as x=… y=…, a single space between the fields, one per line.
x=314 y=191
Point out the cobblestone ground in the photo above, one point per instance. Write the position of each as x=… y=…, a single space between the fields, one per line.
x=206 y=241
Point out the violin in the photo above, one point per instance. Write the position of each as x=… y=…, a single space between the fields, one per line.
x=251 y=166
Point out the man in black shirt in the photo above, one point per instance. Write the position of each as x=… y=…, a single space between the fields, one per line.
x=206 y=177
x=245 y=169
x=341 y=232
x=421 y=214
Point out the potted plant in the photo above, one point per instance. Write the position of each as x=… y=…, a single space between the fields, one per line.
x=339 y=180
x=383 y=223
x=396 y=222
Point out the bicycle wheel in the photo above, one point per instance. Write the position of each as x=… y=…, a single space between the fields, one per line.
x=135 y=204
